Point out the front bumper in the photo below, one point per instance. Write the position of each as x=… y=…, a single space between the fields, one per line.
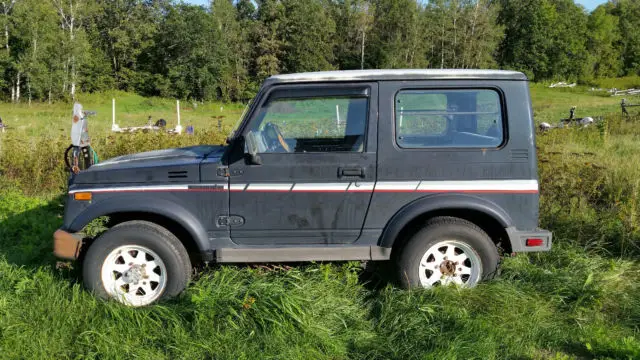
x=519 y=239
x=65 y=245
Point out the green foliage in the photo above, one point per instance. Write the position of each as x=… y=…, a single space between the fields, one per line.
x=546 y=38
x=223 y=51
x=604 y=35
x=96 y=227
x=628 y=12
x=307 y=35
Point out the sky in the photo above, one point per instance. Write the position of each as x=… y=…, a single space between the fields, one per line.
x=589 y=4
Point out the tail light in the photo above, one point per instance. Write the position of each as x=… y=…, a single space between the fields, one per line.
x=534 y=242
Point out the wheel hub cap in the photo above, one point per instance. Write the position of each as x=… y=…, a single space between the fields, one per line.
x=448 y=268
x=134 y=275
x=450 y=262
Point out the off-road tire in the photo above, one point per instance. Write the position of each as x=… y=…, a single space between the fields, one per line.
x=442 y=229
x=145 y=234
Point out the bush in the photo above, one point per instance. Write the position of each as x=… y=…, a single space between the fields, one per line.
x=36 y=164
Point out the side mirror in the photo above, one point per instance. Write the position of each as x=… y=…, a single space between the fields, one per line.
x=251 y=146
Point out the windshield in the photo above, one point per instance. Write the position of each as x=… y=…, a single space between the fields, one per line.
x=241 y=118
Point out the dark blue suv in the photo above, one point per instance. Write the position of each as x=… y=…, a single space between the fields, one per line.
x=433 y=169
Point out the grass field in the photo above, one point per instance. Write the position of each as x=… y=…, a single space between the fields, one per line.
x=579 y=301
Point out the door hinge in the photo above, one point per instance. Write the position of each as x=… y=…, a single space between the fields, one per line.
x=223 y=171
x=232 y=220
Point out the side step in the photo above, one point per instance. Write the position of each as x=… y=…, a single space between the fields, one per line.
x=294 y=254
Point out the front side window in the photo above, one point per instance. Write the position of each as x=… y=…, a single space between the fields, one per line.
x=448 y=118
x=314 y=124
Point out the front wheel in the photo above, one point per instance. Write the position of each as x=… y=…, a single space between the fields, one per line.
x=447 y=251
x=136 y=263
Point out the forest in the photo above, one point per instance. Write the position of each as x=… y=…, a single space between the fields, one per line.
x=53 y=49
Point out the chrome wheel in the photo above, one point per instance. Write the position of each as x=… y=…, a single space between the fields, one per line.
x=450 y=262
x=134 y=275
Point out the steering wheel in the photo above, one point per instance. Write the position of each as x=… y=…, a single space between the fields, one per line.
x=274 y=139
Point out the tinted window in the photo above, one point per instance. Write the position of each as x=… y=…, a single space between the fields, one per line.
x=448 y=118
x=319 y=124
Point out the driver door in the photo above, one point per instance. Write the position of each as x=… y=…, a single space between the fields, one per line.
x=317 y=149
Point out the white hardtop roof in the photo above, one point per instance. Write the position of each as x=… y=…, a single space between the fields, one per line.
x=399 y=74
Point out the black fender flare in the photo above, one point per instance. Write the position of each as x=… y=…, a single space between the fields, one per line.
x=436 y=202
x=145 y=204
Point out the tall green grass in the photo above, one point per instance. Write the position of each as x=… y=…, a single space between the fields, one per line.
x=579 y=301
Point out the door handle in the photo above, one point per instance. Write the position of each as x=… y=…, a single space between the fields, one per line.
x=351 y=171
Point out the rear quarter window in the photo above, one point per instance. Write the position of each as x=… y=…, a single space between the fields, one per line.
x=465 y=118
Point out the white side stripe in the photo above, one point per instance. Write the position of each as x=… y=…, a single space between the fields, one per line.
x=487 y=186
x=238 y=187
x=134 y=188
x=269 y=187
x=479 y=185
x=397 y=185
x=361 y=186
x=320 y=187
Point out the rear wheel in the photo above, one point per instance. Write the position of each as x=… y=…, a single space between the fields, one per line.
x=446 y=251
x=136 y=263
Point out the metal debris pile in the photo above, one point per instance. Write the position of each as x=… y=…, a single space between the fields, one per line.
x=616 y=92
x=562 y=84
x=571 y=121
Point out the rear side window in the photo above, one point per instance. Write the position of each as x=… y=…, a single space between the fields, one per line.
x=448 y=118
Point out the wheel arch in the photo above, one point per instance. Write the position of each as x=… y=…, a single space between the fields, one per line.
x=181 y=222
x=412 y=217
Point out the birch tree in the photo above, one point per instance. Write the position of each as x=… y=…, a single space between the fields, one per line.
x=9 y=65
x=71 y=14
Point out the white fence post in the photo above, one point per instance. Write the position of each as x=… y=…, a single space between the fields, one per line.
x=179 y=127
x=114 y=126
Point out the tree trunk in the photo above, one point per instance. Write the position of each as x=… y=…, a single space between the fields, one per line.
x=29 y=89
x=442 y=45
x=18 y=87
x=473 y=42
x=73 y=61
x=6 y=32
x=362 y=50
x=455 y=33
x=73 y=77
x=66 y=76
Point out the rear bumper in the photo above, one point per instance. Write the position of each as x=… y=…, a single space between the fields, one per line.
x=519 y=239
x=66 y=245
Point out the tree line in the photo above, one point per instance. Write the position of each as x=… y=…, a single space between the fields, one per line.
x=56 y=48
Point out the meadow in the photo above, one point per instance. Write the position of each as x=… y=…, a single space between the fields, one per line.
x=581 y=300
